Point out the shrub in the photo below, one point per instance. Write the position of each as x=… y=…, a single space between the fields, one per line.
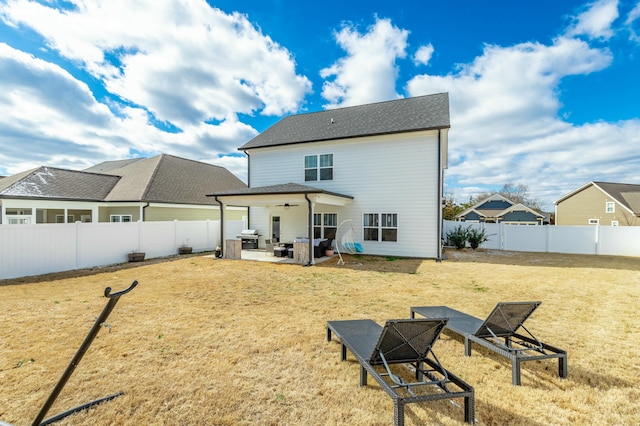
x=458 y=236
x=476 y=237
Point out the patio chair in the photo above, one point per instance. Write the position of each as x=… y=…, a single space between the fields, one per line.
x=405 y=342
x=499 y=333
x=269 y=246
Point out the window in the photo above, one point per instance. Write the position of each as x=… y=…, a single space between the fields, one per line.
x=380 y=226
x=120 y=218
x=610 y=207
x=325 y=225
x=318 y=167
x=19 y=220
x=614 y=223
x=594 y=221
x=85 y=218
x=18 y=216
x=60 y=218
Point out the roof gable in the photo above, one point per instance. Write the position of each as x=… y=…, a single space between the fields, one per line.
x=398 y=116
x=627 y=195
x=169 y=179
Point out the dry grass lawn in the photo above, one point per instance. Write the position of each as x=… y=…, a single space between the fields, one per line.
x=223 y=342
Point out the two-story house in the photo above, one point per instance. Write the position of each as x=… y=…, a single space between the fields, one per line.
x=499 y=209
x=376 y=170
x=600 y=203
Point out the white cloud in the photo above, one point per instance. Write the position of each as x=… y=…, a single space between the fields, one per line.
x=182 y=60
x=631 y=21
x=596 y=21
x=181 y=63
x=423 y=55
x=505 y=126
x=368 y=73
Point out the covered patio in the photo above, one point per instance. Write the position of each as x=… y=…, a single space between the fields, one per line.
x=268 y=199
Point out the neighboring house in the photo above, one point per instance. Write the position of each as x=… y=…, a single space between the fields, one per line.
x=600 y=203
x=160 y=188
x=375 y=169
x=498 y=209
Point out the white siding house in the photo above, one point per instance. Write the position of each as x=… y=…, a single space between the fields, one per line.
x=378 y=162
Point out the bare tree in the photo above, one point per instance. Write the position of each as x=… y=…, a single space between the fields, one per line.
x=517 y=193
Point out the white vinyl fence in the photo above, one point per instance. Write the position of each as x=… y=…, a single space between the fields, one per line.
x=43 y=248
x=589 y=239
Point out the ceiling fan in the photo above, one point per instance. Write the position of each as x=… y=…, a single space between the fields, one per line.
x=286 y=205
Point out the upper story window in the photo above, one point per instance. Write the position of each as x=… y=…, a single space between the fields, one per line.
x=318 y=167
x=610 y=207
x=594 y=221
x=380 y=226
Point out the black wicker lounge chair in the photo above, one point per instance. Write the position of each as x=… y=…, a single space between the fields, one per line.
x=406 y=341
x=502 y=323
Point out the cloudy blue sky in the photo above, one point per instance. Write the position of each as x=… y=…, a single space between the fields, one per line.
x=544 y=93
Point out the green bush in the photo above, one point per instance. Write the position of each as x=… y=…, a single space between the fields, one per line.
x=458 y=236
x=476 y=237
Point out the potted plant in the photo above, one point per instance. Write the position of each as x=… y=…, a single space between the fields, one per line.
x=185 y=248
x=136 y=256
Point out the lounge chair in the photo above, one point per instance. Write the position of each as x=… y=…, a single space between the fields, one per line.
x=502 y=323
x=402 y=342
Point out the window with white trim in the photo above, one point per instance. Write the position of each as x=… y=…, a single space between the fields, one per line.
x=60 y=218
x=18 y=216
x=325 y=225
x=318 y=167
x=19 y=220
x=120 y=218
x=380 y=226
x=614 y=223
x=610 y=207
x=594 y=221
x=85 y=218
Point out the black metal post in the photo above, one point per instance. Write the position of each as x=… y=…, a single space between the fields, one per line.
x=113 y=299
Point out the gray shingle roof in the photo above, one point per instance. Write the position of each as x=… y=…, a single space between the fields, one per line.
x=397 y=116
x=169 y=179
x=625 y=193
x=161 y=179
x=50 y=182
x=286 y=188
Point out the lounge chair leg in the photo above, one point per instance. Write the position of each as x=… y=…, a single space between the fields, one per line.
x=469 y=409
x=515 y=372
x=343 y=354
x=328 y=334
x=562 y=367
x=363 y=376
x=398 y=413
x=419 y=374
x=467 y=346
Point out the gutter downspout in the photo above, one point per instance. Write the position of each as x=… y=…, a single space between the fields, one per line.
x=143 y=212
x=310 y=231
x=221 y=225
x=440 y=190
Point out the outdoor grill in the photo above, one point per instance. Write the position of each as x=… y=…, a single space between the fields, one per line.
x=249 y=238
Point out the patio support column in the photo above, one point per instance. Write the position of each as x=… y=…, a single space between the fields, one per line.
x=310 y=222
x=222 y=233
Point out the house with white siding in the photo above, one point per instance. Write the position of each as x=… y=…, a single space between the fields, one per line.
x=375 y=171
